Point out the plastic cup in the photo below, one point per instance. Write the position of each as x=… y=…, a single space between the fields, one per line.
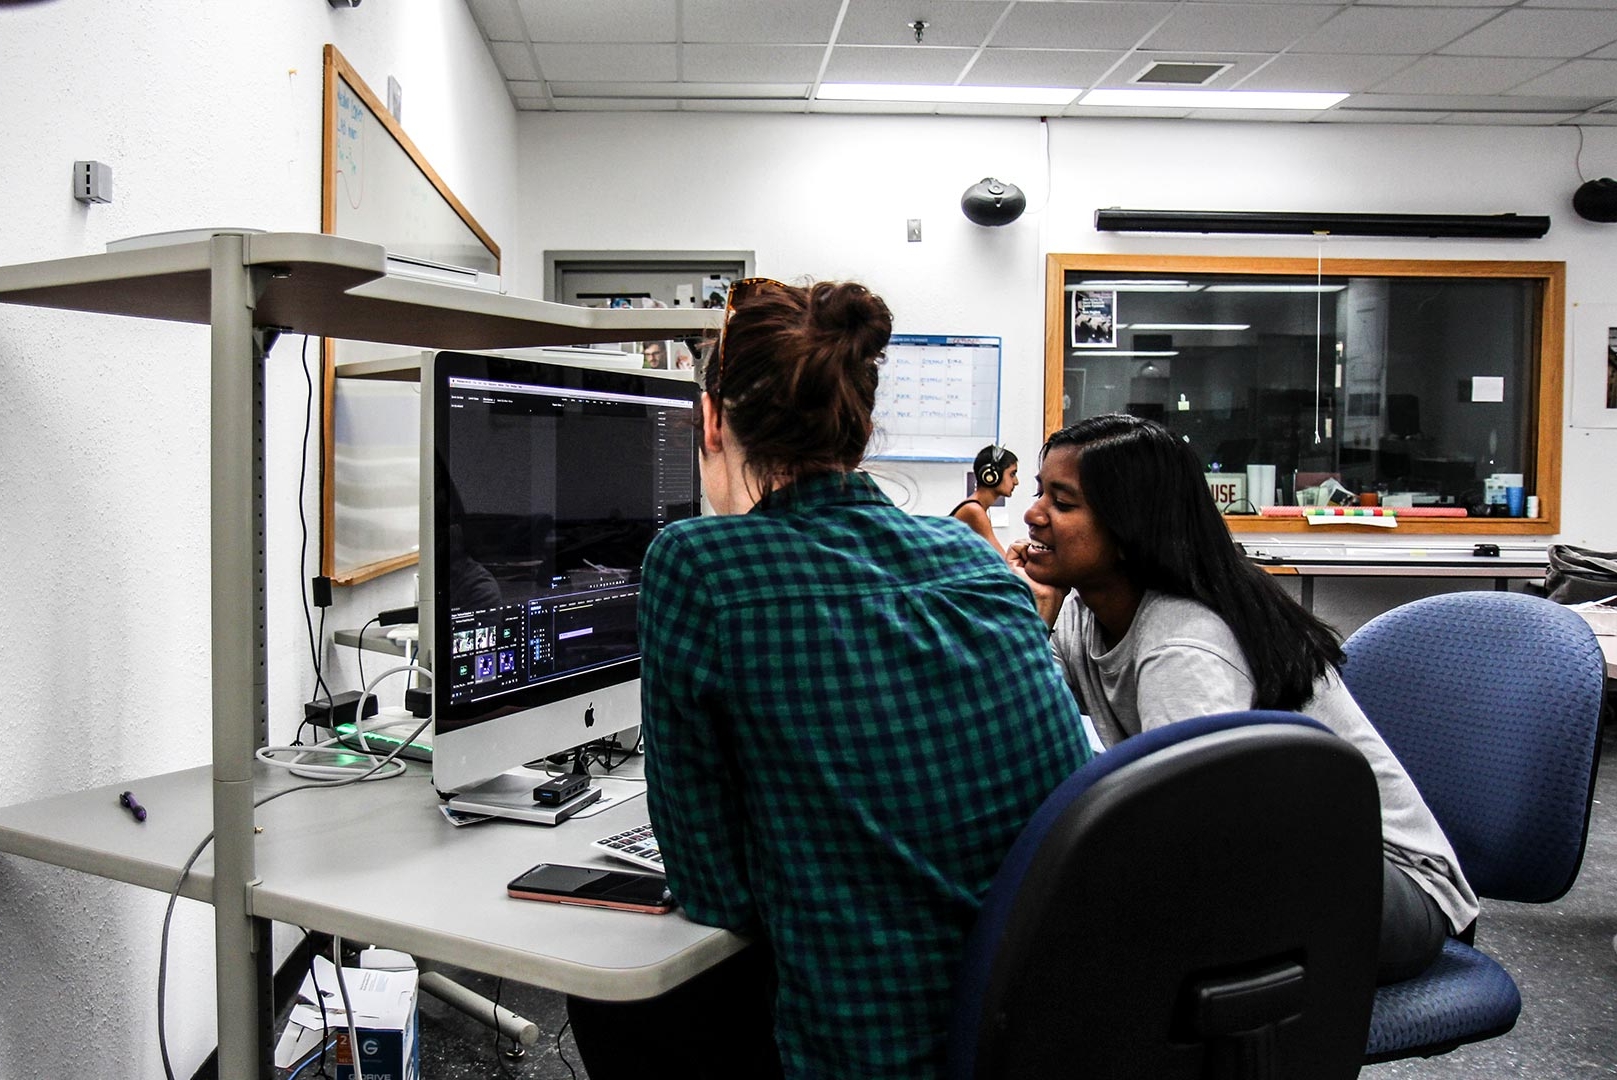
x=1516 y=499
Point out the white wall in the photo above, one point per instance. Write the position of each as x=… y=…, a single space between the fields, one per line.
x=209 y=115
x=827 y=196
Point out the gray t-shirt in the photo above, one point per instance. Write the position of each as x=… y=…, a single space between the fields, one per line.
x=1180 y=660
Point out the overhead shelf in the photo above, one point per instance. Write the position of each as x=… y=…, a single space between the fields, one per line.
x=330 y=286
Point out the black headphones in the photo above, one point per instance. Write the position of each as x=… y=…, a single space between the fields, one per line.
x=988 y=473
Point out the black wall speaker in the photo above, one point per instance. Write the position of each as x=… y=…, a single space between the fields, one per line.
x=1597 y=200
x=993 y=202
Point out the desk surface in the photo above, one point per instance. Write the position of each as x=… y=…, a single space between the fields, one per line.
x=378 y=863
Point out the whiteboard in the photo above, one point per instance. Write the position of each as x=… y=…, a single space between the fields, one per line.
x=380 y=189
x=937 y=398
x=376 y=186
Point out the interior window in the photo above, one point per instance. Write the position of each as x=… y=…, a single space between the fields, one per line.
x=1395 y=385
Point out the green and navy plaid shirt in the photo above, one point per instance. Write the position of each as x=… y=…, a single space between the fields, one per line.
x=849 y=714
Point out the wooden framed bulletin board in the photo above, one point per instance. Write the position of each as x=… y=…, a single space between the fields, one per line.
x=376 y=186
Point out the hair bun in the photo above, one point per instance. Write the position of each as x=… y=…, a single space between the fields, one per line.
x=851 y=311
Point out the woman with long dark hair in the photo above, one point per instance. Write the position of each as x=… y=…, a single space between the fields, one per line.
x=1167 y=620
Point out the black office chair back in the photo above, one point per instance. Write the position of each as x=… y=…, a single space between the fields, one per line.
x=1203 y=900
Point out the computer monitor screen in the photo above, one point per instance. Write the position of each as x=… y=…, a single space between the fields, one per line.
x=543 y=485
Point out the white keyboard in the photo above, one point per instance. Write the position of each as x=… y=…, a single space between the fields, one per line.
x=636 y=845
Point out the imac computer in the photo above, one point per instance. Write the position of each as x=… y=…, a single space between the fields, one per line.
x=542 y=486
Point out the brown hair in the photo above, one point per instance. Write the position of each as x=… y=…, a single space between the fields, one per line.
x=798 y=378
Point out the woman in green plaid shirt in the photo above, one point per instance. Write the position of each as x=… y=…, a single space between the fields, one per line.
x=849 y=714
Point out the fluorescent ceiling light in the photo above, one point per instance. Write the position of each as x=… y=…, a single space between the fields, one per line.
x=1212 y=99
x=1276 y=288
x=948 y=95
x=1100 y=352
x=1185 y=326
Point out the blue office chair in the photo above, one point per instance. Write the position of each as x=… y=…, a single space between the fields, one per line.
x=1491 y=701
x=1203 y=900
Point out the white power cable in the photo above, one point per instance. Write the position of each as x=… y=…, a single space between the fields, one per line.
x=306 y=760
x=347 y=776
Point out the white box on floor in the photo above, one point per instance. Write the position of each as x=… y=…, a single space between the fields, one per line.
x=384 y=1004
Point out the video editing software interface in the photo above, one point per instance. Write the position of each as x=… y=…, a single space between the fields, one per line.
x=555 y=488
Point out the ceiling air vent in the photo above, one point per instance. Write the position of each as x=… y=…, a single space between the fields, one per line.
x=1179 y=74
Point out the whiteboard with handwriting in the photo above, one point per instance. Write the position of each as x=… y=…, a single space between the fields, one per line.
x=938 y=397
x=384 y=197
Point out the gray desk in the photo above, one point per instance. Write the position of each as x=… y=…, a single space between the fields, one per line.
x=1501 y=570
x=378 y=863
x=249 y=289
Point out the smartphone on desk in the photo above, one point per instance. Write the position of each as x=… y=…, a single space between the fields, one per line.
x=593 y=887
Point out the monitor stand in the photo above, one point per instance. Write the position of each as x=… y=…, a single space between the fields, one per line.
x=510 y=795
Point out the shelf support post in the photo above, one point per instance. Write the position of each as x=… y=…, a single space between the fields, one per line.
x=239 y=662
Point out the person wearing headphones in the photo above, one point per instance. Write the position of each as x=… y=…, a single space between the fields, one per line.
x=828 y=769
x=995 y=469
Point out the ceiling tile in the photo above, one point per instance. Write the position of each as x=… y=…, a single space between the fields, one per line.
x=1370 y=116
x=1254 y=114
x=949 y=22
x=751 y=105
x=681 y=90
x=1576 y=78
x=751 y=63
x=1079 y=26
x=613 y=105
x=1497 y=4
x=1392 y=30
x=599 y=20
x=498 y=19
x=513 y=59
x=760 y=22
x=1447 y=103
x=584 y=63
x=1462 y=75
x=1341 y=72
x=1561 y=34
x=1421 y=61
x=884 y=108
x=1137 y=114
x=1495 y=119
x=870 y=63
x=1040 y=67
x=1236 y=27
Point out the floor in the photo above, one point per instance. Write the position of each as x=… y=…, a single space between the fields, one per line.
x=1561 y=955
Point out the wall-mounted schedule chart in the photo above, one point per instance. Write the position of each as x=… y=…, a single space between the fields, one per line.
x=938 y=398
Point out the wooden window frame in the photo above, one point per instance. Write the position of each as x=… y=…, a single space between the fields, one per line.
x=1548 y=361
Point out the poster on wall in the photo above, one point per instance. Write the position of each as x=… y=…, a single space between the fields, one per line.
x=1594 y=366
x=1094 y=319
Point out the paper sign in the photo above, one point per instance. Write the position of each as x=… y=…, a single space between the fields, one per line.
x=1487 y=388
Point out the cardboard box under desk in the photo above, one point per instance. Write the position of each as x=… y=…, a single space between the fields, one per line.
x=384 y=1003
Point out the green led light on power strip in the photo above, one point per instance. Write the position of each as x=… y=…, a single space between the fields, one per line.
x=347 y=730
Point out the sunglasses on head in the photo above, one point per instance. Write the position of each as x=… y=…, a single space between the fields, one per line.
x=740 y=289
